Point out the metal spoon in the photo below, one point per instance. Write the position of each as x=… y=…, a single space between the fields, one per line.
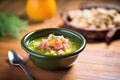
x=16 y=59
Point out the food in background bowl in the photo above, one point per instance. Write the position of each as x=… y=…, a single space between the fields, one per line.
x=59 y=57
x=94 y=22
x=94 y=18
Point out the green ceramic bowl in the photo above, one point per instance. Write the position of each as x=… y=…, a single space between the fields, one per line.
x=53 y=62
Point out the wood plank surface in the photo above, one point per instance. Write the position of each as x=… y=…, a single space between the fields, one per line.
x=97 y=62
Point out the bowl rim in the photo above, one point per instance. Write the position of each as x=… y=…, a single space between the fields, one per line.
x=30 y=52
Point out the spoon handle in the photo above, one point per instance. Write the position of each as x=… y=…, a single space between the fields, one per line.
x=26 y=72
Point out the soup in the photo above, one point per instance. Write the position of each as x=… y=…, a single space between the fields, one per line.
x=53 y=45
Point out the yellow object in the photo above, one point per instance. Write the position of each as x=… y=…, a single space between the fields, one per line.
x=40 y=9
x=52 y=42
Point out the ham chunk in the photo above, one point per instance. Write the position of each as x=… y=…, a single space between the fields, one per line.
x=61 y=52
x=58 y=43
x=43 y=43
x=51 y=36
x=65 y=46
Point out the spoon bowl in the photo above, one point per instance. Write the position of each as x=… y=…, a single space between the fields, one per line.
x=16 y=59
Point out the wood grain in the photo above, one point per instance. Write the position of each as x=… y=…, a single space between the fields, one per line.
x=92 y=64
x=97 y=62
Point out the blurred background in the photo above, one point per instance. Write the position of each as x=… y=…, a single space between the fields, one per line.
x=32 y=11
x=18 y=6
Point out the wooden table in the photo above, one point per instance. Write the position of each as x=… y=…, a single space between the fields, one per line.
x=97 y=62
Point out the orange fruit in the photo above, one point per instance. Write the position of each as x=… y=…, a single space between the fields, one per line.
x=40 y=9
